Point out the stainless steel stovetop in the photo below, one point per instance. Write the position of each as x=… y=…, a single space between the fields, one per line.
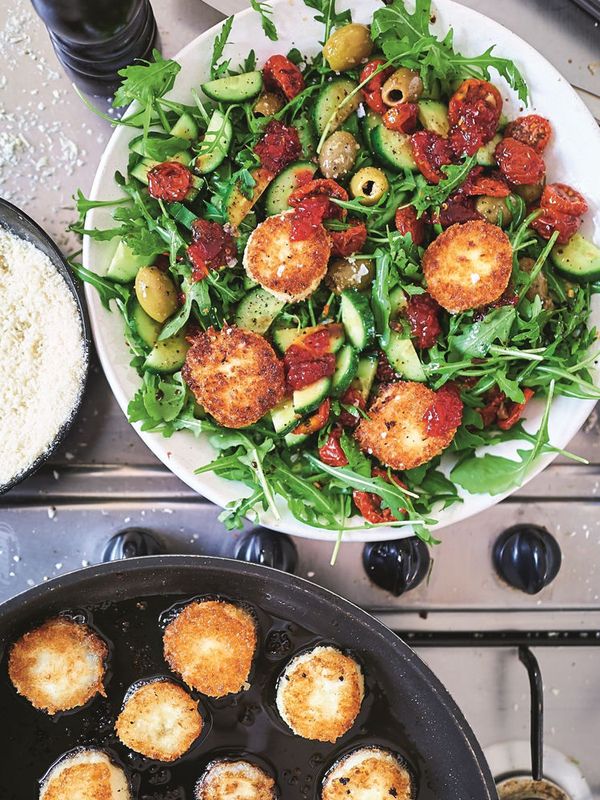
x=462 y=618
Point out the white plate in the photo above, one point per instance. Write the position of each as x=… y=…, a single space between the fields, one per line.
x=571 y=157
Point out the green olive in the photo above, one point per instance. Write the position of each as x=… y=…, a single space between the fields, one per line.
x=268 y=103
x=338 y=154
x=348 y=47
x=539 y=287
x=404 y=86
x=494 y=209
x=156 y=293
x=369 y=184
x=349 y=273
x=530 y=192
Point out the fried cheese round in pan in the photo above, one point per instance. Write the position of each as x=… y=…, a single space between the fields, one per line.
x=235 y=780
x=211 y=644
x=159 y=719
x=369 y=773
x=58 y=666
x=395 y=431
x=235 y=375
x=320 y=693
x=468 y=265
x=85 y=774
x=287 y=268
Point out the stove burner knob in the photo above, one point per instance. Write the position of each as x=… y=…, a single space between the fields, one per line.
x=272 y=549
x=527 y=557
x=131 y=543
x=397 y=566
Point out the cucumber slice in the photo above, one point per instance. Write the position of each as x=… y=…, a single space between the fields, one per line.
x=167 y=355
x=404 y=359
x=141 y=170
x=485 y=155
x=284 y=337
x=294 y=439
x=306 y=134
x=346 y=366
x=398 y=301
x=310 y=398
x=578 y=260
x=186 y=127
x=125 y=263
x=433 y=116
x=370 y=122
x=329 y=101
x=365 y=374
x=276 y=197
x=283 y=417
x=234 y=88
x=216 y=143
x=238 y=205
x=357 y=318
x=257 y=310
x=393 y=149
x=147 y=329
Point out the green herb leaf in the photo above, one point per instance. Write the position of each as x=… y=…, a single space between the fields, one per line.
x=265 y=11
x=218 y=70
x=146 y=81
x=478 y=336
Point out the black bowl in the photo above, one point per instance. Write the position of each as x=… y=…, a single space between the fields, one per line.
x=19 y=224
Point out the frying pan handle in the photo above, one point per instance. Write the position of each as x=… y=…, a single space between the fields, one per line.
x=536 y=684
x=132 y=543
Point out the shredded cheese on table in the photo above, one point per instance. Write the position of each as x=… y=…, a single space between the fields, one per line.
x=42 y=354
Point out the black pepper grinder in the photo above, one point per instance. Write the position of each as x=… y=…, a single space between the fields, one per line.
x=93 y=39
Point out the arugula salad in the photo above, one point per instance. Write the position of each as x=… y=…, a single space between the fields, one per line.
x=339 y=267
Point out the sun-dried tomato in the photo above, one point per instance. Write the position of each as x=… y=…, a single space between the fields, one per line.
x=331 y=452
x=445 y=413
x=369 y=503
x=473 y=113
x=564 y=199
x=307 y=216
x=321 y=187
x=169 y=181
x=532 y=130
x=309 y=359
x=280 y=74
x=477 y=183
x=422 y=312
x=519 y=162
x=212 y=247
x=279 y=146
x=407 y=222
x=402 y=118
x=509 y=415
x=352 y=240
x=457 y=208
x=351 y=397
x=316 y=421
x=493 y=401
x=431 y=152
x=371 y=91
x=551 y=221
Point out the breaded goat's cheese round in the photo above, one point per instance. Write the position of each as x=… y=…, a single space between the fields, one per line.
x=289 y=269
x=211 y=644
x=85 y=774
x=235 y=780
x=235 y=375
x=59 y=666
x=159 y=720
x=369 y=773
x=320 y=694
x=468 y=265
x=396 y=428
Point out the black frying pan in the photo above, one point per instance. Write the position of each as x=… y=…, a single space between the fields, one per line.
x=405 y=708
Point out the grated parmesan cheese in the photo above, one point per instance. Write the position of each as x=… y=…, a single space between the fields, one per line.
x=42 y=354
